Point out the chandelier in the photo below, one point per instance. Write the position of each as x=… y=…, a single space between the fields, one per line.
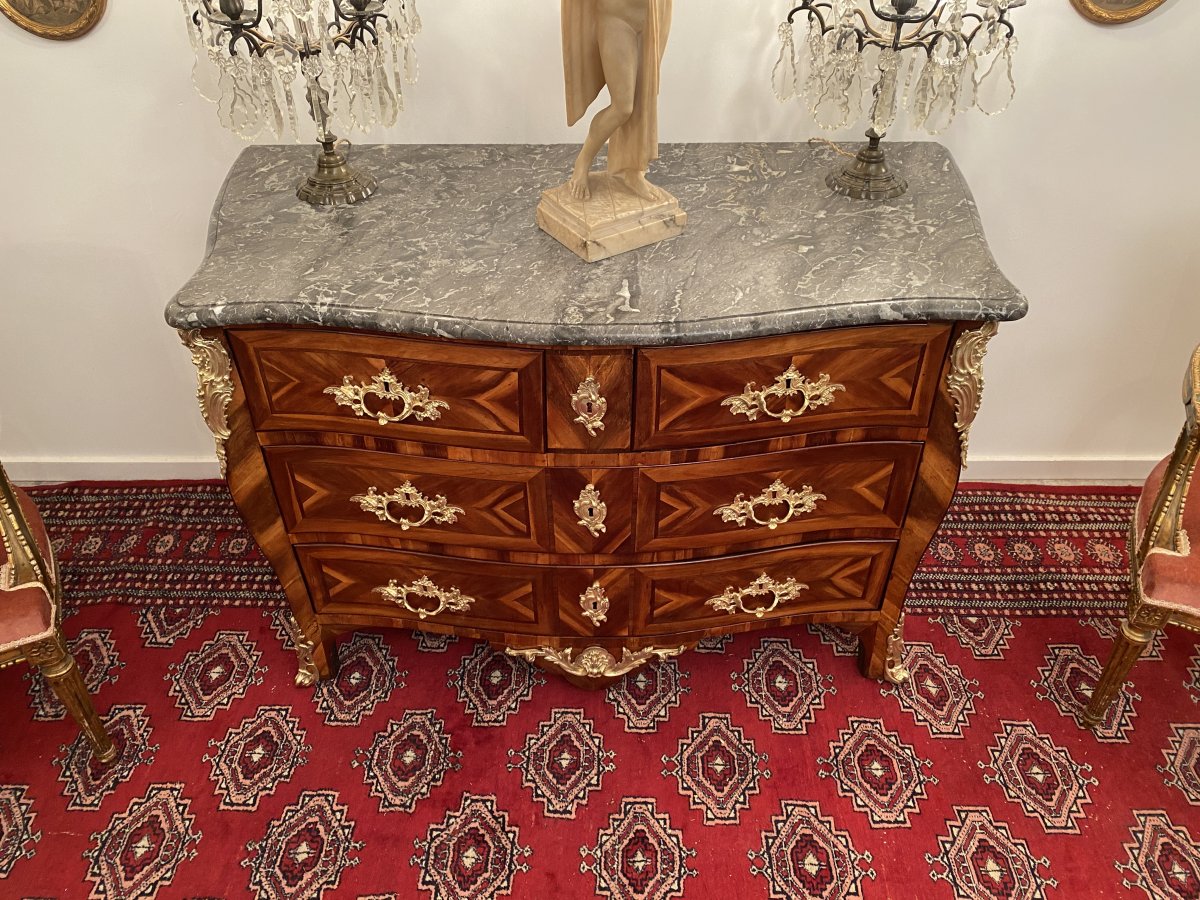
x=346 y=60
x=933 y=56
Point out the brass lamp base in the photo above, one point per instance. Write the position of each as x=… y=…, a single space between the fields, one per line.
x=868 y=177
x=335 y=183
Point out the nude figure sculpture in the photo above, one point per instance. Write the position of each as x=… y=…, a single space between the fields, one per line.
x=618 y=44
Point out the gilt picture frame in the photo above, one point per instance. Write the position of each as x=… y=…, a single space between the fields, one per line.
x=1116 y=12
x=58 y=20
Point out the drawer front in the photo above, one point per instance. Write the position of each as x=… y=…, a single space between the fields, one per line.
x=589 y=399
x=437 y=501
x=593 y=510
x=739 y=502
x=473 y=396
x=770 y=387
x=451 y=592
x=848 y=577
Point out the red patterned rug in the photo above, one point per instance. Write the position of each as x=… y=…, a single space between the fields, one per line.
x=760 y=766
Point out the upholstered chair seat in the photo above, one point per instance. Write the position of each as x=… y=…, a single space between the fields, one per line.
x=1171 y=577
x=26 y=611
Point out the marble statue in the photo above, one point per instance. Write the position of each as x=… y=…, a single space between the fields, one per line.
x=617 y=44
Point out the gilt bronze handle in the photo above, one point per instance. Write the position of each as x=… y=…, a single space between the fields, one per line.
x=791 y=383
x=733 y=601
x=452 y=600
x=437 y=510
x=414 y=403
x=743 y=511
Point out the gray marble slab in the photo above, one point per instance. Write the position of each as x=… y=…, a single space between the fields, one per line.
x=449 y=247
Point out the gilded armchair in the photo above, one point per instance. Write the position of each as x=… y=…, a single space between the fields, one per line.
x=31 y=612
x=1165 y=570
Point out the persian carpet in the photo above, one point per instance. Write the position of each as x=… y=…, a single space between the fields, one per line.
x=758 y=766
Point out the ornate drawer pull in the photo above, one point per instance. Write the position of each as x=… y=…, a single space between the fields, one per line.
x=452 y=600
x=594 y=603
x=742 y=511
x=733 y=600
x=438 y=510
x=591 y=510
x=791 y=383
x=417 y=404
x=590 y=405
x=596 y=662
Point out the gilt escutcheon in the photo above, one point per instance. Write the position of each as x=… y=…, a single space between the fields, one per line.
x=591 y=510
x=594 y=603
x=589 y=405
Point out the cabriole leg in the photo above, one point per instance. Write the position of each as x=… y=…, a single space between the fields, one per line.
x=316 y=659
x=881 y=651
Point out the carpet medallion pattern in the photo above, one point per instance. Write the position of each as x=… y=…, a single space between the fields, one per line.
x=973 y=780
x=758 y=766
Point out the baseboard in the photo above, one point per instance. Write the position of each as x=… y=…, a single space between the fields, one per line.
x=1025 y=470
x=26 y=470
x=1075 y=470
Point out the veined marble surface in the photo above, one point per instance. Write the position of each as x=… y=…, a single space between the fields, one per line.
x=449 y=247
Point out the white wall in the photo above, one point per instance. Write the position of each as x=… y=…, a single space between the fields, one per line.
x=111 y=163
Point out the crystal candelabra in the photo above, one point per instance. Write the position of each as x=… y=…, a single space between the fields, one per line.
x=967 y=62
x=252 y=62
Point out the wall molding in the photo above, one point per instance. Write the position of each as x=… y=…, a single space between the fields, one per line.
x=1080 y=470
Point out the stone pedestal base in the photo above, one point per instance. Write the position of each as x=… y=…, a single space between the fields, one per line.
x=614 y=220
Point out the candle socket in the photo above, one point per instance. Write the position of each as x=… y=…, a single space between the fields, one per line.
x=335 y=182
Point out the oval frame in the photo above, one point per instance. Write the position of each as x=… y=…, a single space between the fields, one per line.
x=1097 y=13
x=85 y=23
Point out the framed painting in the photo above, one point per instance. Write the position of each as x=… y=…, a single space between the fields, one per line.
x=59 y=20
x=1113 y=12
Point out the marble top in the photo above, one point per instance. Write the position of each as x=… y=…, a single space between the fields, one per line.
x=449 y=247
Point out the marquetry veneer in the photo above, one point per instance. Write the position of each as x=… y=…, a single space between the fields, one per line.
x=762 y=482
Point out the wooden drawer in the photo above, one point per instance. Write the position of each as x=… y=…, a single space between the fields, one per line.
x=739 y=502
x=344 y=581
x=847 y=577
x=726 y=393
x=609 y=527
x=336 y=491
x=478 y=396
x=589 y=399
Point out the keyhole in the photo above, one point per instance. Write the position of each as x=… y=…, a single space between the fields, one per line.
x=788 y=384
x=591 y=512
x=594 y=605
x=589 y=407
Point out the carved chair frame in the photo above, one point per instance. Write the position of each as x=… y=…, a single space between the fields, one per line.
x=1164 y=533
x=27 y=565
